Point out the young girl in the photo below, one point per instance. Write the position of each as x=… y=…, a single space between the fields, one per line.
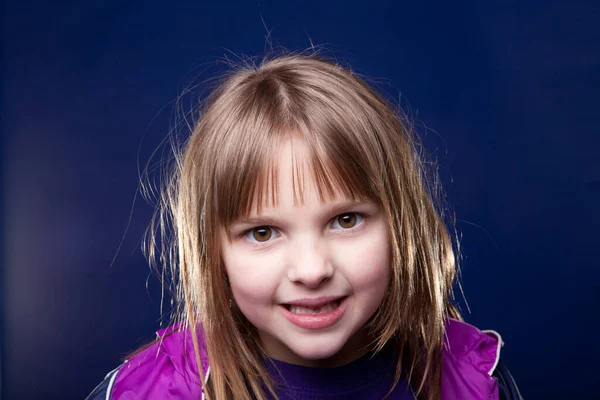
x=309 y=255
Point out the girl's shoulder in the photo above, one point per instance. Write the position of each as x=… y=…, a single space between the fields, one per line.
x=478 y=348
x=472 y=368
x=166 y=369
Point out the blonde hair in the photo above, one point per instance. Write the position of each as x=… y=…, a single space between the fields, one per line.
x=359 y=144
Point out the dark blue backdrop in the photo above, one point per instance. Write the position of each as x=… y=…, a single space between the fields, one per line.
x=507 y=89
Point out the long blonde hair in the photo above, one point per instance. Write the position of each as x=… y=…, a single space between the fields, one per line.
x=358 y=143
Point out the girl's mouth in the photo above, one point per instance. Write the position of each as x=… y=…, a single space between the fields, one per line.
x=320 y=316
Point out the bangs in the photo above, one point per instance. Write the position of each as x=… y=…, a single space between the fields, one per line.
x=249 y=183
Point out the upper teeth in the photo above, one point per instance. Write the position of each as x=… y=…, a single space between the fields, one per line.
x=314 y=310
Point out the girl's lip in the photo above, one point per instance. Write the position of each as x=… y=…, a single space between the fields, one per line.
x=316 y=321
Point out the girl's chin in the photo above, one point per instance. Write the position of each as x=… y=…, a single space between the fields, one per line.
x=325 y=349
x=332 y=356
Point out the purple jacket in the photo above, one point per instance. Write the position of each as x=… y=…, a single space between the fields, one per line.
x=167 y=369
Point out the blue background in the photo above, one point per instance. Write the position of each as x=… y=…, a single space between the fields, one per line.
x=505 y=93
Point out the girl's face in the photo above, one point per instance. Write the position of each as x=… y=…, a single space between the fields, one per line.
x=309 y=275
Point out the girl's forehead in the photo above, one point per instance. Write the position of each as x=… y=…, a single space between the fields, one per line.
x=288 y=195
x=291 y=178
x=291 y=171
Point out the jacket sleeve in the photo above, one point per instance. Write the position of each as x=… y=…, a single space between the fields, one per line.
x=103 y=390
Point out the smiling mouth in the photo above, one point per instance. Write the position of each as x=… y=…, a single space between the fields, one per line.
x=314 y=314
x=321 y=309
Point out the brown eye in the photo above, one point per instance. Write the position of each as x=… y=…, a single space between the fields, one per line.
x=346 y=221
x=262 y=233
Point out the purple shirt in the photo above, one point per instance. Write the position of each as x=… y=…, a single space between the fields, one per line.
x=368 y=378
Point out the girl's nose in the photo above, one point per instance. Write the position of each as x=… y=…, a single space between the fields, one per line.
x=310 y=264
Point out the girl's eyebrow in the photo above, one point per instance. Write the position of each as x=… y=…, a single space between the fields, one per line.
x=327 y=212
x=341 y=207
x=258 y=220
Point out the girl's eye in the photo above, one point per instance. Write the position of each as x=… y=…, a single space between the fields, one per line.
x=261 y=234
x=346 y=221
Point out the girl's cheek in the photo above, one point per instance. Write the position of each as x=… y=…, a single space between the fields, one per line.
x=251 y=269
x=366 y=259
